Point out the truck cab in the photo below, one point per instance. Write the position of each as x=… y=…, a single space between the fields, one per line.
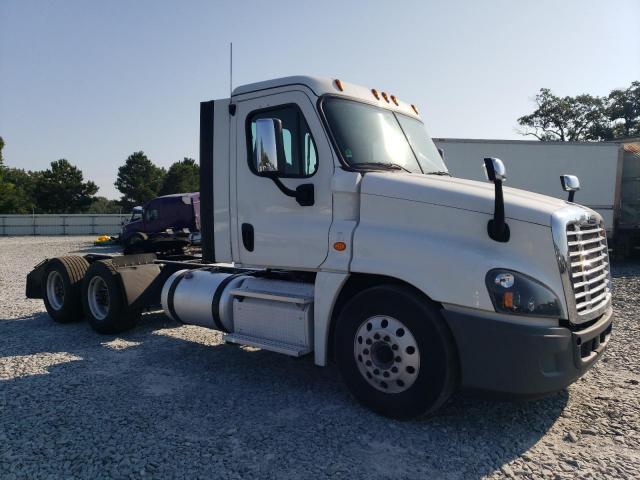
x=331 y=226
x=175 y=212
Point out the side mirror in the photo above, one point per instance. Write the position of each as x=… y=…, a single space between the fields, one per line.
x=571 y=184
x=497 y=228
x=268 y=153
x=269 y=159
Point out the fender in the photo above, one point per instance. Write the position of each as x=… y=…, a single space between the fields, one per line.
x=326 y=291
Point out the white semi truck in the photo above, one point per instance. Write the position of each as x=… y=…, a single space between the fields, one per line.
x=331 y=227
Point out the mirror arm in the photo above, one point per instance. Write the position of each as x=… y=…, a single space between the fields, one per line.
x=497 y=227
x=282 y=187
x=304 y=194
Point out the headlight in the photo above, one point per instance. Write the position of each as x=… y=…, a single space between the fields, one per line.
x=516 y=293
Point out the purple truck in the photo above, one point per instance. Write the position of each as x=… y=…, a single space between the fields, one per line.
x=164 y=224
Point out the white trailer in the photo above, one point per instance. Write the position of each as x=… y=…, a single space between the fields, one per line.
x=609 y=174
x=331 y=227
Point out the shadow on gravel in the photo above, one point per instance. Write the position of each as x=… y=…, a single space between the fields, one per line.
x=165 y=401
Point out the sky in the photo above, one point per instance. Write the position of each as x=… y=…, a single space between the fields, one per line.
x=94 y=81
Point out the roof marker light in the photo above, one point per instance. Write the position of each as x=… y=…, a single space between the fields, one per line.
x=394 y=100
x=338 y=85
x=375 y=93
x=415 y=109
x=386 y=98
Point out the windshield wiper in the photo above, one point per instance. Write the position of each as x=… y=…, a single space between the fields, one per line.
x=388 y=166
x=441 y=173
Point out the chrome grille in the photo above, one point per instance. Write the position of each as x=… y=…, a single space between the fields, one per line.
x=588 y=266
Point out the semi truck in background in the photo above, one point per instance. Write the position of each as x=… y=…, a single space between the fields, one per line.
x=609 y=174
x=164 y=224
x=331 y=226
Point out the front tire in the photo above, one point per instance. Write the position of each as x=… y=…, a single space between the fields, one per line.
x=136 y=243
x=61 y=288
x=104 y=301
x=395 y=352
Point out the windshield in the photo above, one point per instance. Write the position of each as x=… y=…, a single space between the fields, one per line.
x=369 y=136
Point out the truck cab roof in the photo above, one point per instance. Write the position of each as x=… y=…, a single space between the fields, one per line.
x=330 y=86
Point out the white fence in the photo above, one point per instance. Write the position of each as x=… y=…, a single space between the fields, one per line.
x=78 y=224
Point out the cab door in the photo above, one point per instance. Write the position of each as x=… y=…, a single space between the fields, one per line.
x=275 y=229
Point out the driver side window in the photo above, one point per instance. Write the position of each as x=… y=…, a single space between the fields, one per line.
x=300 y=155
x=151 y=215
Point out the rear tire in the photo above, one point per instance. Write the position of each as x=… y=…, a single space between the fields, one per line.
x=104 y=300
x=61 y=288
x=395 y=352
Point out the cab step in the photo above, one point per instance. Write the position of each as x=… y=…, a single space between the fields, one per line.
x=266 y=344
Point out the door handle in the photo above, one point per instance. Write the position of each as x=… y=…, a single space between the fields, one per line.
x=247 y=236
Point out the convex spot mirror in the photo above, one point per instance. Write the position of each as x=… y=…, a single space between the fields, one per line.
x=570 y=183
x=494 y=169
x=268 y=152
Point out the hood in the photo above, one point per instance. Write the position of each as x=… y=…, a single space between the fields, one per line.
x=463 y=194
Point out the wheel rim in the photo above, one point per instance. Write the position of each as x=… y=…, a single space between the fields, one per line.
x=387 y=354
x=55 y=290
x=98 y=298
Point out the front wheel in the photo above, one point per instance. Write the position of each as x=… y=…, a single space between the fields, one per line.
x=395 y=352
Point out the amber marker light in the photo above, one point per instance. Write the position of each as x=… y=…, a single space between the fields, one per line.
x=415 y=109
x=338 y=85
x=394 y=100
x=340 y=246
x=508 y=300
x=384 y=95
x=375 y=93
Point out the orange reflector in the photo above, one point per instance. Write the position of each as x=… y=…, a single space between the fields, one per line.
x=384 y=95
x=394 y=100
x=340 y=246
x=375 y=93
x=338 y=84
x=507 y=300
x=415 y=109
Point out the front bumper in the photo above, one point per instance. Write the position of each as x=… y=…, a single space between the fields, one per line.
x=523 y=360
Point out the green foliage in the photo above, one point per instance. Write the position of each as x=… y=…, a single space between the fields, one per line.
x=102 y=205
x=182 y=177
x=624 y=111
x=16 y=188
x=139 y=180
x=584 y=117
x=61 y=189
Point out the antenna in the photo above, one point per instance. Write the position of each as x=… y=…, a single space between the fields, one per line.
x=230 y=69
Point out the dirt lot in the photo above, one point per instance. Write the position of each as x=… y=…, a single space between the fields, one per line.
x=170 y=401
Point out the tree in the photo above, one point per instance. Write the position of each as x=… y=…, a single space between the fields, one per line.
x=139 y=180
x=585 y=117
x=578 y=118
x=16 y=191
x=61 y=189
x=624 y=111
x=101 y=205
x=16 y=188
x=182 y=177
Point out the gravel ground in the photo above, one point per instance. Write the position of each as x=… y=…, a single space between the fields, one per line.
x=170 y=401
